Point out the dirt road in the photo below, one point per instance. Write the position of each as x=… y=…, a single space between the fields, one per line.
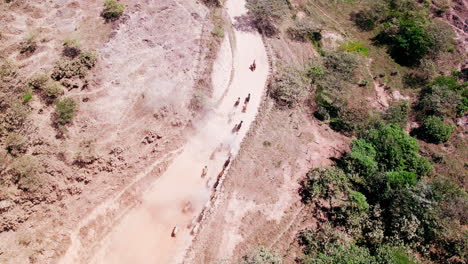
x=177 y=198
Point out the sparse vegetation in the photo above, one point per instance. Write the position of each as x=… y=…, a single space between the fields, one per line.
x=65 y=110
x=112 y=10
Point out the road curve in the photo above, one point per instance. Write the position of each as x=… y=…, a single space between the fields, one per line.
x=143 y=235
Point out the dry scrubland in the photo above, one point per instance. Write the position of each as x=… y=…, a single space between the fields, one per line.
x=94 y=97
x=95 y=105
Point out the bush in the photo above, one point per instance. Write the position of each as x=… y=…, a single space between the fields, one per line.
x=23 y=168
x=262 y=256
x=325 y=182
x=440 y=100
x=304 y=30
x=344 y=64
x=15 y=144
x=52 y=91
x=408 y=41
x=398 y=113
x=71 y=48
x=112 y=10
x=434 y=130
x=27 y=96
x=28 y=45
x=39 y=81
x=88 y=59
x=361 y=159
x=265 y=13
x=77 y=67
x=289 y=87
x=65 y=110
x=396 y=150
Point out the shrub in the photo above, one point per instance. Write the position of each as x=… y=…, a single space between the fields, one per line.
x=28 y=45
x=396 y=150
x=53 y=90
x=361 y=159
x=262 y=256
x=344 y=64
x=112 y=10
x=289 y=87
x=439 y=100
x=27 y=96
x=15 y=144
x=88 y=59
x=39 y=81
x=304 y=30
x=71 y=48
x=408 y=40
x=77 y=67
x=23 y=168
x=400 y=179
x=324 y=182
x=65 y=110
x=265 y=13
x=434 y=130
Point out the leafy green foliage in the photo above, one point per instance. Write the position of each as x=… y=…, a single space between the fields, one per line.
x=398 y=113
x=406 y=29
x=112 y=10
x=356 y=47
x=264 y=14
x=324 y=182
x=262 y=256
x=396 y=150
x=434 y=130
x=444 y=97
x=27 y=96
x=65 y=110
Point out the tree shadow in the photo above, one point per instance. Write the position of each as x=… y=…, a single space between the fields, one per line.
x=245 y=23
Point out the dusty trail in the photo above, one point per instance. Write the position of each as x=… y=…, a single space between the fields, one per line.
x=144 y=233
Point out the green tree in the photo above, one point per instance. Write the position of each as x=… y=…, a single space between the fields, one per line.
x=396 y=150
x=434 y=130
